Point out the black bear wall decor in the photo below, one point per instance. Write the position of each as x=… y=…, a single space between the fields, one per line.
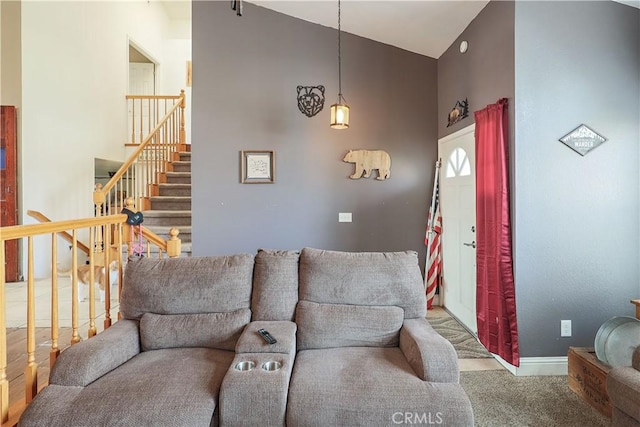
x=310 y=99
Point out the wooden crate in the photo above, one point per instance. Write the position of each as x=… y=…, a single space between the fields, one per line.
x=588 y=378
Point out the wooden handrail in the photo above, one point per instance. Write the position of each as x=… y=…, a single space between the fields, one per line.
x=19 y=231
x=141 y=173
x=29 y=231
x=163 y=141
x=131 y=160
x=171 y=247
x=154 y=238
x=65 y=235
x=153 y=96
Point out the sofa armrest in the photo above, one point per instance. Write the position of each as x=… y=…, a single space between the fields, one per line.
x=432 y=357
x=283 y=331
x=623 y=389
x=85 y=362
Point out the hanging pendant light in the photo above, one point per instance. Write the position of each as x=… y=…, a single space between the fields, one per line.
x=339 y=110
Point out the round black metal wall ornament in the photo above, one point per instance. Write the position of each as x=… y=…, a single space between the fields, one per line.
x=310 y=99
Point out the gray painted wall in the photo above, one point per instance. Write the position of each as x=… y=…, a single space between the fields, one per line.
x=576 y=218
x=576 y=254
x=245 y=73
x=482 y=75
x=485 y=73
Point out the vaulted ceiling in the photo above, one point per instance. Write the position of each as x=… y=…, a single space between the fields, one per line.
x=427 y=27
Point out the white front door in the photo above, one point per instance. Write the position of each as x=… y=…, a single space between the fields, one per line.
x=458 y=208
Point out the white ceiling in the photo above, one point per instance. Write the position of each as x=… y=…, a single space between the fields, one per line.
x=427 y=27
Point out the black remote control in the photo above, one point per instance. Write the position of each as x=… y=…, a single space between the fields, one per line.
x=267 y=336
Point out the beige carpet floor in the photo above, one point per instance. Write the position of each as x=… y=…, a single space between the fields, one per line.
x=502 y=399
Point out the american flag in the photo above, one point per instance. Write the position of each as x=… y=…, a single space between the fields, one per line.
x=433 y=268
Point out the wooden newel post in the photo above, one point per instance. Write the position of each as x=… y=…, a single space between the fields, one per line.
x=174 y=244
x=99 y=198
x=183 y=137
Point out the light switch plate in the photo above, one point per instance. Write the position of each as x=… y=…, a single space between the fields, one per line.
x=344 y=217
x=565 y=328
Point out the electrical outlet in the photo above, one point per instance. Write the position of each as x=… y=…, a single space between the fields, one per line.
x=565 y=328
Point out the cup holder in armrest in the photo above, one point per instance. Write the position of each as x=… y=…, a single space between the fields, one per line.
x=246 y=365
x=271 y=366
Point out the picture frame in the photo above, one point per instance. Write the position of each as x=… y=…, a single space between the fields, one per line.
x=257 y=167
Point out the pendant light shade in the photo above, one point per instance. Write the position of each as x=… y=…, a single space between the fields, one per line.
x=339 y=110
x=340 y=115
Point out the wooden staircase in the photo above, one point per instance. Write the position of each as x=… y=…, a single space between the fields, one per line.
x=156 y=177
x=172 y=206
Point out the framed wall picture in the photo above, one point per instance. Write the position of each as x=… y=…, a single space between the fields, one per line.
x=258 y=166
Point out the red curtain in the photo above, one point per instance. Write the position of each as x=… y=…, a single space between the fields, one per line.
x=496 y=301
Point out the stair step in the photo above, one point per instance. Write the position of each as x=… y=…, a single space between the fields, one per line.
x=155 y=213
x=163 y=231
x=175 y=189
x=178 y=177
x=168 y=218
x=185 y=156
x=181 y=166
x=178 y=203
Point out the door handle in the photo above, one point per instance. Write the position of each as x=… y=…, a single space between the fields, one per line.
x=472 y=244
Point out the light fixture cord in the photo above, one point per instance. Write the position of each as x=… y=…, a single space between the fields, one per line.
x=339 y=59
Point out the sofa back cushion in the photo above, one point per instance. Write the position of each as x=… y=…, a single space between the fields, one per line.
x=341 y=325
x=209 y=330
x=219 y=284
x=275 y=285
x=365 y=278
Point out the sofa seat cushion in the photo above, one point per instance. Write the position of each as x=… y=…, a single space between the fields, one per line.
x=171 y=387
x=341 y=325
x=369 y=386
x=208 y=330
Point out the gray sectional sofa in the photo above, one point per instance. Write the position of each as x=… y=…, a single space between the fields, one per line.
x=623 y=388
x=353 y=347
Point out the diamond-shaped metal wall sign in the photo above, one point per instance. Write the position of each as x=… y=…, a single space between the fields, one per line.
x=582 y=139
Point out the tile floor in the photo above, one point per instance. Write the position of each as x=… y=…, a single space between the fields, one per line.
x=16 y=304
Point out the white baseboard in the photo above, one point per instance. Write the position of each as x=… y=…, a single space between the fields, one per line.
x=537 y=366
